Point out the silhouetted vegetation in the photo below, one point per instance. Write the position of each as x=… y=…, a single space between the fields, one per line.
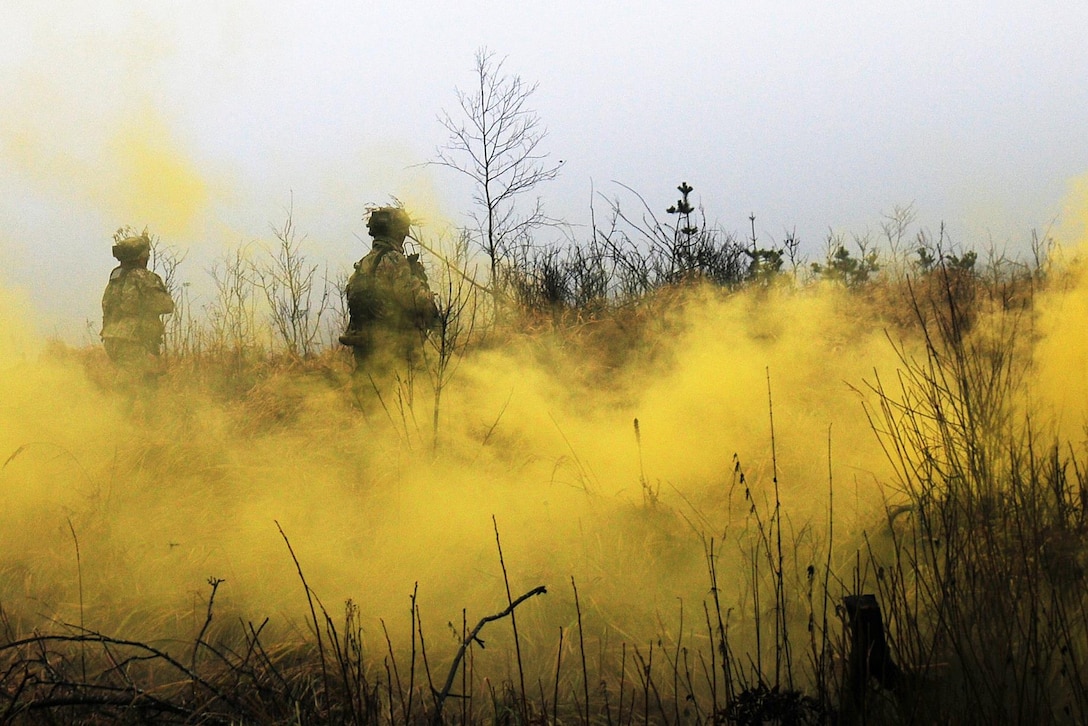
x=980 y=568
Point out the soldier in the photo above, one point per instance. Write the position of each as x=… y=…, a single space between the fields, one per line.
x=391 y=308
x=132 y=308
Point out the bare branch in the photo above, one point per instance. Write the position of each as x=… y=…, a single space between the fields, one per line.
x=497 y=145
x=473 y=637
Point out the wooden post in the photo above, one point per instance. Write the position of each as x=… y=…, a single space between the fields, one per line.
x=869 y=655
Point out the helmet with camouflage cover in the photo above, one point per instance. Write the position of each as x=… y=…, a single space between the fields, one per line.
x=132 y=248
x=389 y=222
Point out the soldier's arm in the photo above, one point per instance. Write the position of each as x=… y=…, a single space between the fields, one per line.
x=162 y=303
x=165 y=304
x=417 y=267
x=156 y=298
x=424 y=302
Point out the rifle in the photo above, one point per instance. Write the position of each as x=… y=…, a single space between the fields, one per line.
x=455 y=268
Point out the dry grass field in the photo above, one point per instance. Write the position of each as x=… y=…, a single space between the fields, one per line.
x=618 y=493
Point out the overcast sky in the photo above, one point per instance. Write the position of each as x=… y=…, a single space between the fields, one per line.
x=205 y=120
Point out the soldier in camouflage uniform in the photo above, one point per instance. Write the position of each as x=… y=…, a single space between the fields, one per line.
x=132 y=308
x=391 y=308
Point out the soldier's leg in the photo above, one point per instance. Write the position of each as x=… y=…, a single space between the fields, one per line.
x=129 y=360
x=363 y=385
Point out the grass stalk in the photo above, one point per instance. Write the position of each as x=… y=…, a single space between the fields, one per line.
x=313 y=612
x=581 y=650
x=79 y=582
x=523 y=704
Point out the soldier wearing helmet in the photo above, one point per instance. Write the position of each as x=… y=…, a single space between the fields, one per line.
x=391 y=308
x=132 y=308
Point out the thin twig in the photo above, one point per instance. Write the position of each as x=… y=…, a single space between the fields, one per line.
x=442 y=695
x=215 y=582
x=79 y=575
x=513 y=622
x=313 y=612
x=581 y=648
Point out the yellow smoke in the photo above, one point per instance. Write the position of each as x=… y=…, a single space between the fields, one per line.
x=1061 y=382
x=164 y=492
x=83 y=128
x=17 y=340
x=117 y=511
x=161 y=494
x=136 y=171
x=153 y=179
x=1073 y=230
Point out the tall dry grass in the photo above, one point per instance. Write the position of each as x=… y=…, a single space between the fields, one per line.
x=978 y=564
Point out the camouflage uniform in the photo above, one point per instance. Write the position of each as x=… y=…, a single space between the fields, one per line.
x=132 y=306
x=390 y=306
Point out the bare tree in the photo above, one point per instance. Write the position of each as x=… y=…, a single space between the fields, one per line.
x=458 y=304
x=495 y=142
x=179 y=337
x=296 y=301
x=894 y=229
x=232 y=313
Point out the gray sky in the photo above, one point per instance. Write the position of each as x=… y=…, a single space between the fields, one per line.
x=204 y=120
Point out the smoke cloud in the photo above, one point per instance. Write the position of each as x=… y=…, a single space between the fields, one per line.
x=1061 y=356
x=160 y=495
x=119 y=512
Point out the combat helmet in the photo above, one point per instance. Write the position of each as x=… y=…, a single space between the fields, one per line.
x=132 y=248
x=389 y=222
